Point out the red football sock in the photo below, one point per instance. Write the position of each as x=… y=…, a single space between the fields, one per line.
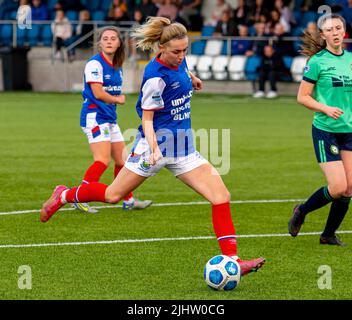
x=224 y=229
x=117 y=169
x=94 y=191
x=94 y=172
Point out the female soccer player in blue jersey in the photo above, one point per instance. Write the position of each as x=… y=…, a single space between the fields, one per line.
x=165 y=138
x=326 y=88
x=101 y=94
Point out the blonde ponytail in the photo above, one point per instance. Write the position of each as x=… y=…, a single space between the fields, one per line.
x=158 y=30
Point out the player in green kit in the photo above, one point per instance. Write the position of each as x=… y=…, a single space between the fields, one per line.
x=326 y=88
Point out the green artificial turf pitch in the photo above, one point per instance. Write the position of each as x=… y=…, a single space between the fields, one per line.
x=271 y=158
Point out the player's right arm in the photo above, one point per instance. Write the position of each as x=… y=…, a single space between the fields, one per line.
x=94 y=77
x=305 y=92
x=152 y=101
x=100 y=94
x=305 y=98
x=149 y=133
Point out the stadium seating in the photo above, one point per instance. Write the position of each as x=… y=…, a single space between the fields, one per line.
x=307 y=17
x=47 y=35
x=288 y=63
x=33 y=35
x=197 y=47
x=21 y=36
x=297 y=68
x=204 y=67
x=252 y=64
x=72 y=15
x=6 y=34
x=98 y=15
x=192 y=63
x=105 y=5
x=213 y=47
x=51 y=4
x=236 y=67
x=92 y=5
x=219 y=68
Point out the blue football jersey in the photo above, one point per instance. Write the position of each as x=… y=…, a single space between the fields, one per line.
x=168 y=91
x=99 y=70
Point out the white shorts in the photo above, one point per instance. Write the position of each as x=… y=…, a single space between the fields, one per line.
x=138 y=162
x=101 y=132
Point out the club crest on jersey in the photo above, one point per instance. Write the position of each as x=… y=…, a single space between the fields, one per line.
x=306 y=68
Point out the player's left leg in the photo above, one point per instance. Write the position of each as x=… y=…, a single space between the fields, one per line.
x=339 y=207
x=119 y=155
x=206 y=181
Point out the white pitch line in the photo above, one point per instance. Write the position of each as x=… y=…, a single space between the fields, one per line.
x=60 y=244
x=166 y=204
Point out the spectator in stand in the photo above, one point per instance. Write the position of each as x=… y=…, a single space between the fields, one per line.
x=138 y=17
x=66 y=5
x=118 y=16
x=271 y=68
x=312 y=28
x=282 y=47
x=40 y=10
x=134 y=52
x=226 y=26
x=62 y=30
x=241 y=46
x=219 y=7
x=121 y=4
x=148 y=8
x=347 y=14
x=258 y=45
x=81 y=30
x=275 y=18
x=6 y=8
x=257 y=11
x=240 y=14
x=168 y=9
x=189 y=8
x=287 y=17
x=311 y=5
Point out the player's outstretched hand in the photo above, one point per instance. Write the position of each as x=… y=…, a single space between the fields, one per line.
x=333 y=112
x=121 y=99
x=197 y=83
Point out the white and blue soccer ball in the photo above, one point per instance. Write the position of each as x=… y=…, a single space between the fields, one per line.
x=222 y=273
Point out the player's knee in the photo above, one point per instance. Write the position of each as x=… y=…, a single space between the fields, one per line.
x=337 y=190
x=348 y=191
x=119 y=163
x=220 y=198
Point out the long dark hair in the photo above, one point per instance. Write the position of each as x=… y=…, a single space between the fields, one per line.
x=120 y=54
x=313 y=43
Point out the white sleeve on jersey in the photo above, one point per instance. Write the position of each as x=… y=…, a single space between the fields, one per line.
x=93 y=72
x=152 y=94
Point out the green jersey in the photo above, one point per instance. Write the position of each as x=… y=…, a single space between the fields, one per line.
x=332 y=76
